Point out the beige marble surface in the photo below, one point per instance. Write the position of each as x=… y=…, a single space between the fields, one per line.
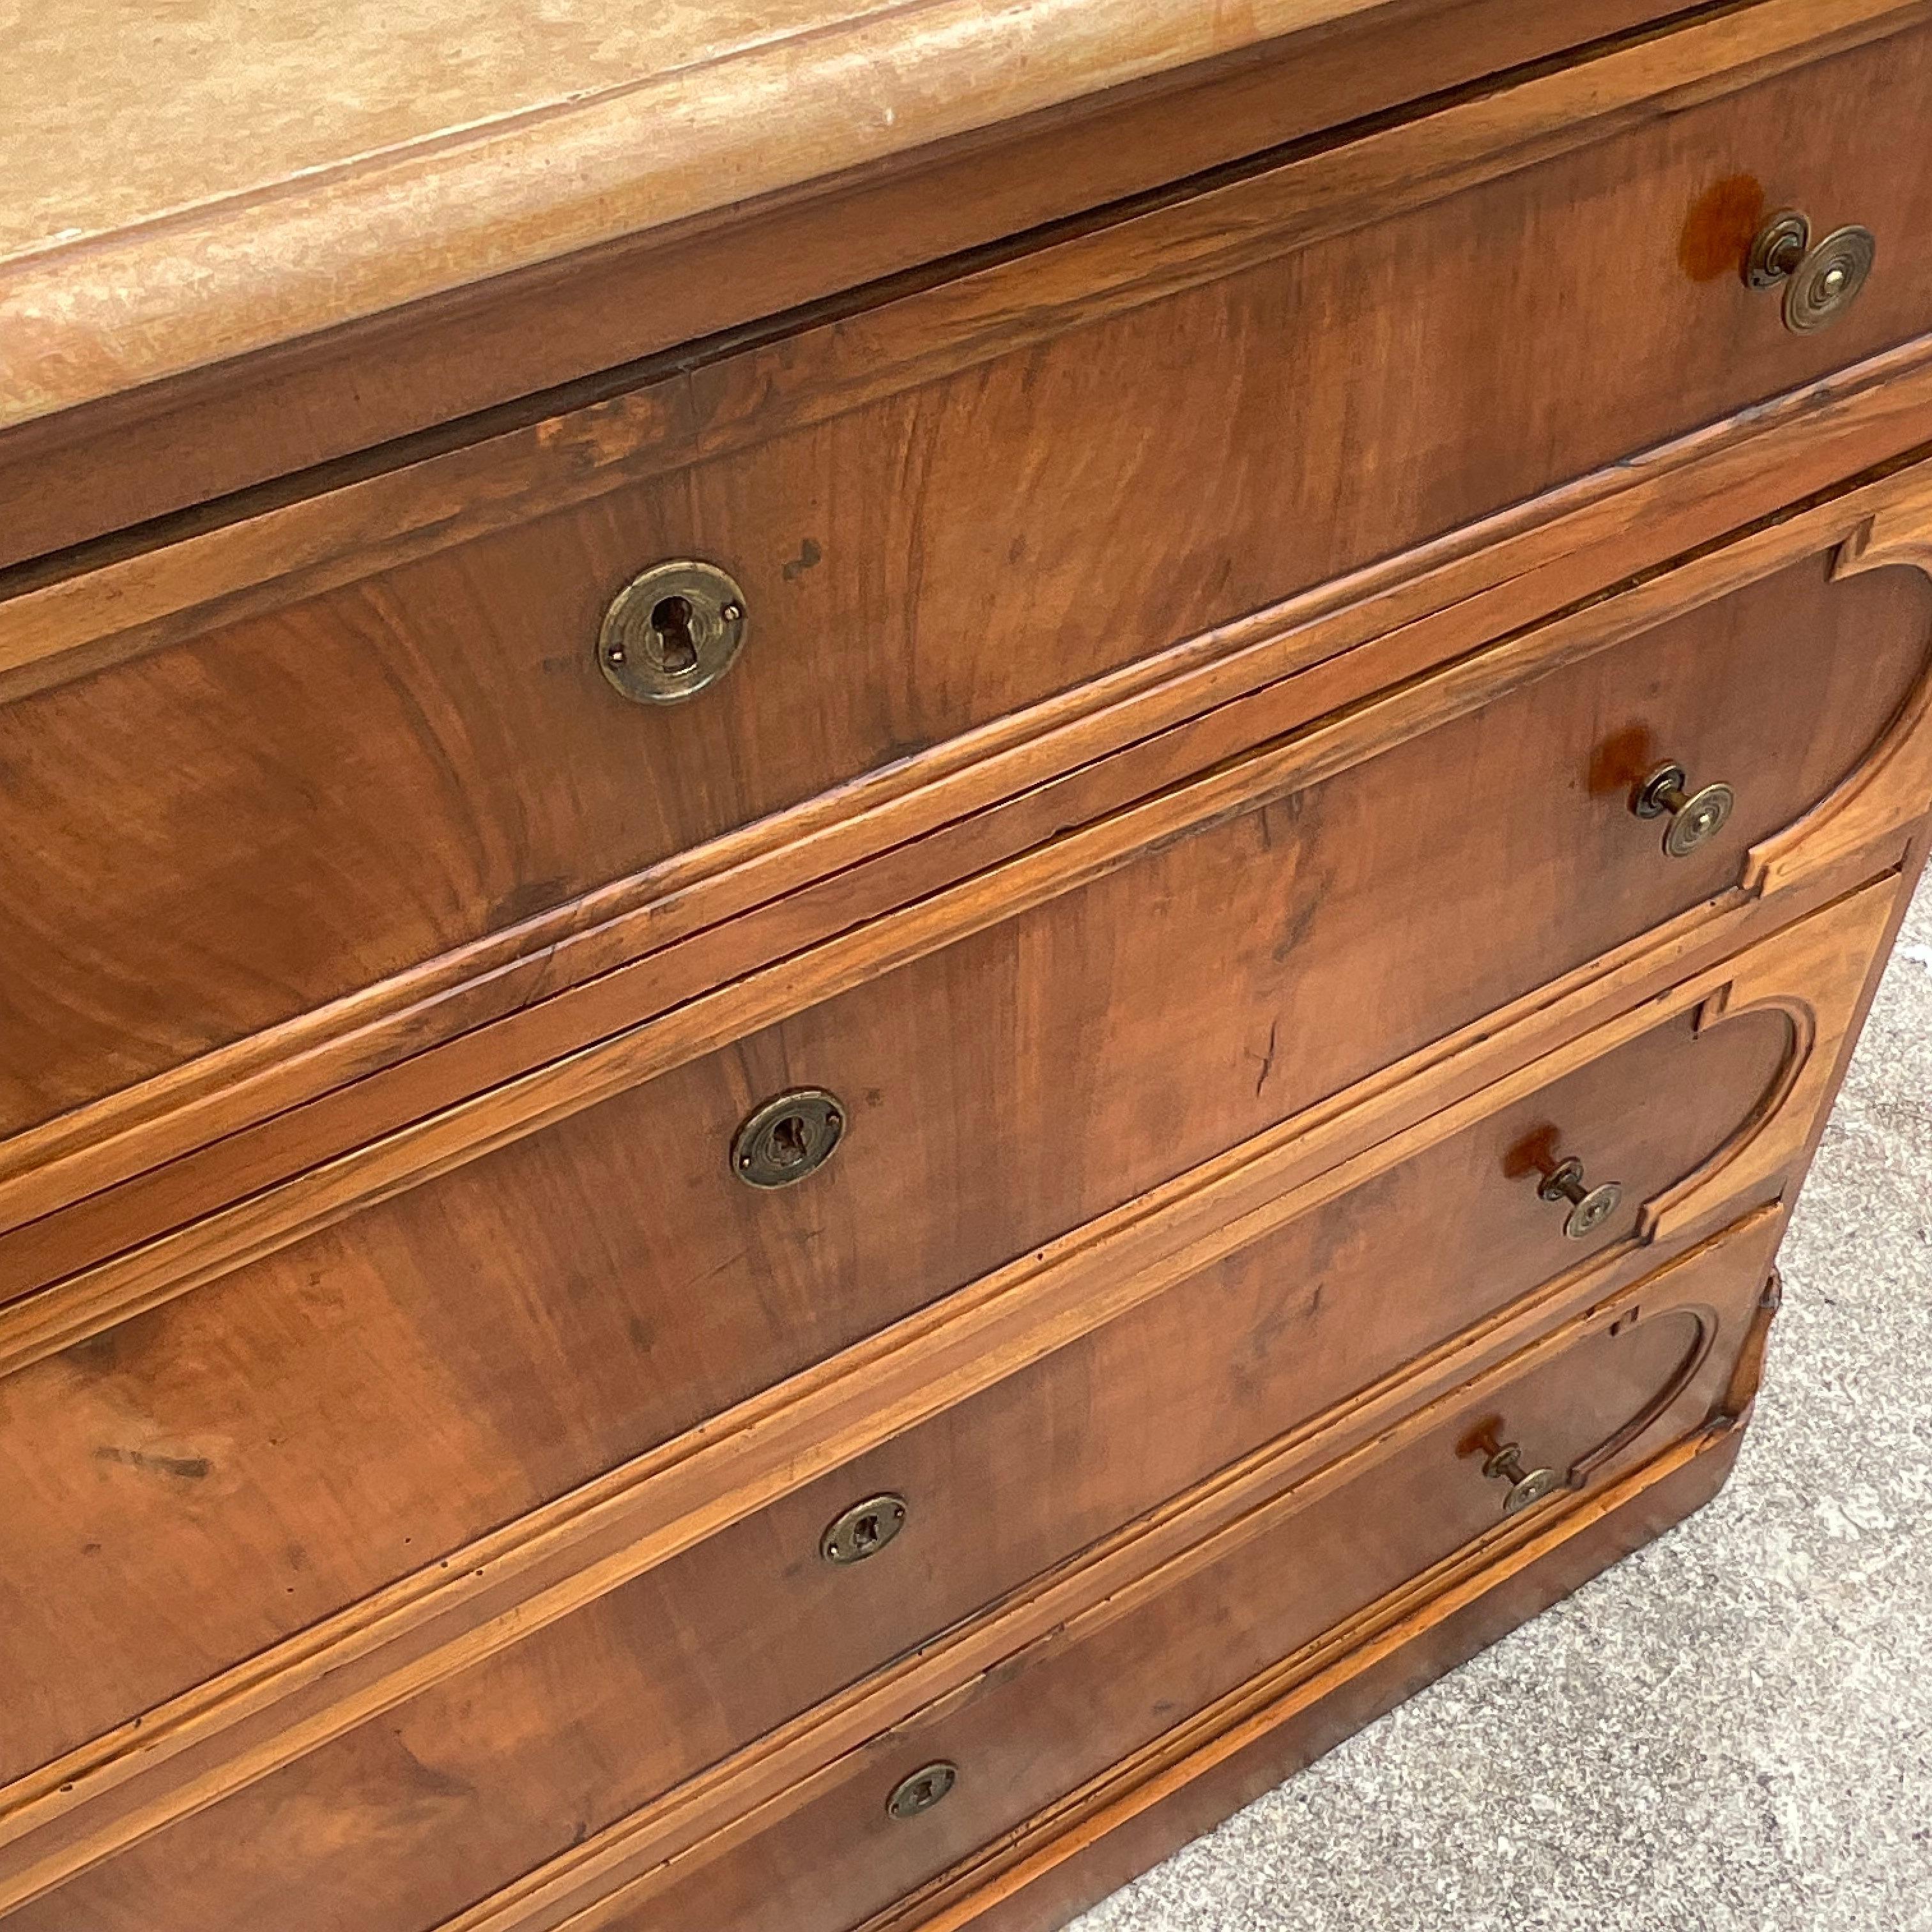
x=113 y=114
x=185 y=180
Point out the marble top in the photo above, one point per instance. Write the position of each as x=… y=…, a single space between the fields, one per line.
x=186 y=181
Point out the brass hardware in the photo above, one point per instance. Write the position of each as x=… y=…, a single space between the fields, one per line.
x=671 y=631
x=1526 y=1486
x=1820 y=283
x=1590 y=1207
x=863 y=1530
x=1777 y=249
x=922 y=1789
x=787 y=1137
x=1696 y=817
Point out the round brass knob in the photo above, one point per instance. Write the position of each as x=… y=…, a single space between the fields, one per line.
x=1590 y=1207
x=1820 y=283
x=1526 y=1486
x=863 y=1530
x=787 y=1137
x=922 y=1789
x=672 y=631
x=1696 y=817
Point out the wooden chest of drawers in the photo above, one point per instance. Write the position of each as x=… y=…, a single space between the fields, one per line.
x=919 y=920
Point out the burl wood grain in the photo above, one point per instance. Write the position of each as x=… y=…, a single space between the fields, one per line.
x=425 y=1791
x=335 y=791
x=336 y=1475
x=570 y=1299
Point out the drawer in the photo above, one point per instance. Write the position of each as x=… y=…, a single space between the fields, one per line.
x=431 y=1807
x=1045 y=1720
x=290 y=1435
x=273 y=811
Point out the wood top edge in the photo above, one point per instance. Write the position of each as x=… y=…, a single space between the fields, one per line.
x=86 y=313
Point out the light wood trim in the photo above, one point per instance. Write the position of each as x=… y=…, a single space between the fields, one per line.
x=156 y=595
x=243 y=1724
x=1398 y=618
x=1897 y=534
x=958 y=1899
x=621 y=1867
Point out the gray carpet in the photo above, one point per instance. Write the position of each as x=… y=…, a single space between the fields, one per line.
x=1732 y=1731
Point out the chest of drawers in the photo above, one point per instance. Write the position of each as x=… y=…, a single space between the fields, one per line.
x=918 y=921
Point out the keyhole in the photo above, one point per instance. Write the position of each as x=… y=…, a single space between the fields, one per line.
x=788 y=1141
x=922 y=1793
x=671 y=627
x=865 y=1535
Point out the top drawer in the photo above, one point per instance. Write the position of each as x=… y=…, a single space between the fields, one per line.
x=934 y=514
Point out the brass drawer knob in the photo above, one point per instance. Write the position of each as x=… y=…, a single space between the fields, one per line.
x=922 y=1789
x=1590 y=1207
x=787 y=1137
x=1696 y=817
x=1820 y=283
x=1526 y=1486
x=671 y=632
x=863 y=1530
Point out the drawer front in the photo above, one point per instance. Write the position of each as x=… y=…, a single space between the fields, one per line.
x=1051 y=1717
x=288 y=807
x=396 y=1827
x=361 y=1403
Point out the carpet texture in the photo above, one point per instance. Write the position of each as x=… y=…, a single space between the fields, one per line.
x=1731 y=1732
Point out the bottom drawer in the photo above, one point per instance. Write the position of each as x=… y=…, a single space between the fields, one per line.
x=1611 y=1389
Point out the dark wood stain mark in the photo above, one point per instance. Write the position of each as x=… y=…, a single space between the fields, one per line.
x=1535 y=1153
x=191 y=1469
x=1717 y=231
x=809 y=554
x=1623 y=761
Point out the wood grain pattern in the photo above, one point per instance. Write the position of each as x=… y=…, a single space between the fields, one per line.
x=497 y=1591
x=1735 y=672
x=1179 y=796
x=1620 y=107
x=905 y=829
x=1197 y=1636
x=1122 y=1825
x=1629 y=1376
x=470 y=190
x=126 y=459
x=326 y=1448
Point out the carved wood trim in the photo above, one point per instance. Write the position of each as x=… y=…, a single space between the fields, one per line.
x=1335 y=1694
x=1893 y=786
x=1815 y=974
x=244 y=1723
x=621 y=1868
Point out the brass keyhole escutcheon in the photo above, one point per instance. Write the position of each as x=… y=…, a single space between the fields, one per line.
x=788 y=1138
x=1819 y=283
x=1526 y=1486
x=863 y=1530
x=672 y=631
x=922 y=1789
x=1695 y=817
x=1590 y=1207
